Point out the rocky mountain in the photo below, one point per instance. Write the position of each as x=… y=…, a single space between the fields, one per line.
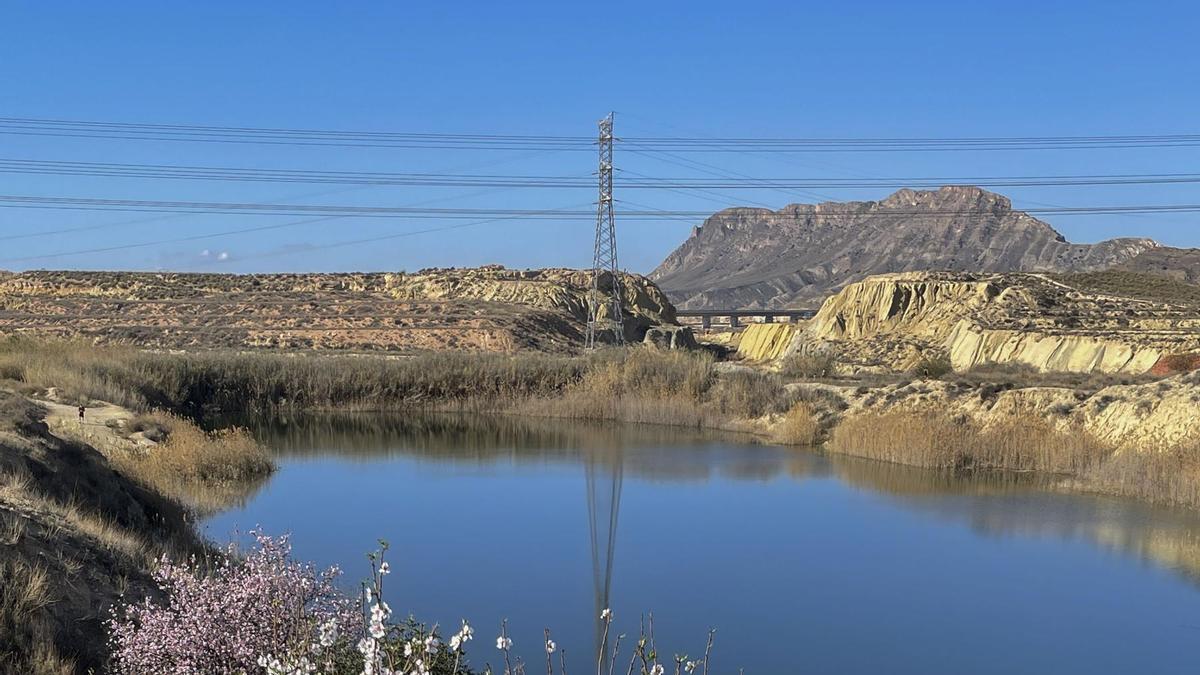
x=802 y=253
x=1180 y=264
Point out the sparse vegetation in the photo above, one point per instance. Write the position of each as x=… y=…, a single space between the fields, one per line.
x=1128 y=284
x=808 y=366
x=26 y=638
x=933 y=367
x=1020 y=375
x=74 y=534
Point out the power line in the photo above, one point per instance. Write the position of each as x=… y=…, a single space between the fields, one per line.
x=276 y=226
x=358 y=211
x=730 y=180
x=463 y=141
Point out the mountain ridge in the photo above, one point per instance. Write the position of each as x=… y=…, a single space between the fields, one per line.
x=800 y=254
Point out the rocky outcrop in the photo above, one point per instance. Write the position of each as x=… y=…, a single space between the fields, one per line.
x=766 y=341
x=891 y=321
x=1147 y=417
x=799 y=255
x=489 y=308
x=970 y=345
x=671 y=337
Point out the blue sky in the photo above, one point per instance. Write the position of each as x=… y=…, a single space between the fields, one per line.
x=784 y=69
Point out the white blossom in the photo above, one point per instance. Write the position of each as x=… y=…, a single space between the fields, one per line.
x=606 y=614
x=503 y=643
x=550 y=646
x=328 y=633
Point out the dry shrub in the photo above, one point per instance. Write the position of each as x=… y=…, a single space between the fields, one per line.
x=937 y=440
x=808 y=366
x=933 y=367
x=749 y=394
x=190 y=460
x=799 y=426
x=650 y=373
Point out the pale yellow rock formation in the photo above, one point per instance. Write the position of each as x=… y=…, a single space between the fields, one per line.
x=765 y=341
x=969 y=345
x=891 y=321
x=1149 y=417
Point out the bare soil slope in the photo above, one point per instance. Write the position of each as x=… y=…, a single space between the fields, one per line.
x=484 y=309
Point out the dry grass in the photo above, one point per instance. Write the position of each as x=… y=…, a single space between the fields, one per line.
x=640 y=385
x=937 y=440
x=25 y=593
x=1023 y=443
x=195 y=383
x=203 y=469
x=799 y=426
x=653 y=387
x=107 y=534
x=1171 y=478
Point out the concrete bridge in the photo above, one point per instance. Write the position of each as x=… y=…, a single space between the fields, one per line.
x=735 y=316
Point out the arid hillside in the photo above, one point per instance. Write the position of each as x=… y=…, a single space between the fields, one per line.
x=483 y=309
x=801 y=254
x=1108 y=322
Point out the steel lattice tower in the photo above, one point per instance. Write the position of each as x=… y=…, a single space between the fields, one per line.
x=601 y=315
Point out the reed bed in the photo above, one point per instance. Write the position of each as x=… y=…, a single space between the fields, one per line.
x=800 y=426
x=635 y=385
x=1171 y=478
x=941 y=441
x=194 y=383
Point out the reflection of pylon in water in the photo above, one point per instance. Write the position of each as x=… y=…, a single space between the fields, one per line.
x=604 y=505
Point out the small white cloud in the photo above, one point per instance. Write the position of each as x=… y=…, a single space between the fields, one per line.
x=223 y=255
x=205 y=253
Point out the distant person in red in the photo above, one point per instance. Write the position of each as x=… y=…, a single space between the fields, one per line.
x=81 y=409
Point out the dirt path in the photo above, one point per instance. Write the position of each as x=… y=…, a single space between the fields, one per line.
x=100 y=427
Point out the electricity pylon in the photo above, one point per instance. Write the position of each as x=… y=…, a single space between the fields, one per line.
x=604 y=258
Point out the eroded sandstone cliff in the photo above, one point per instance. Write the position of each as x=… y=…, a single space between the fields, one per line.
x=892 y=321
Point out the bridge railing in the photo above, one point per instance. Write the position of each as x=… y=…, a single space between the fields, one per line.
x=735 y=316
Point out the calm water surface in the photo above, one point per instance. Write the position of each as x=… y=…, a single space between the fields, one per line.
x=803 y=563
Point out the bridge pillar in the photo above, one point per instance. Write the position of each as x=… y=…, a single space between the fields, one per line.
x=733 y=321
x=793 y=318
x=768 y=318
x=706 y=322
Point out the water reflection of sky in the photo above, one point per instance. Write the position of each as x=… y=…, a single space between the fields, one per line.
x=802 y=562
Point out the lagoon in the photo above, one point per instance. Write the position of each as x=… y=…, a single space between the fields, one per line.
x=802 y=562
